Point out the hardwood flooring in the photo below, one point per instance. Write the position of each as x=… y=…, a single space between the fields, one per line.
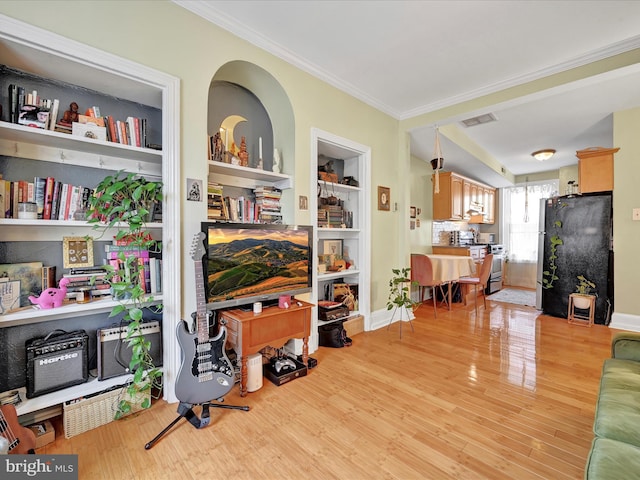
x=507 y=395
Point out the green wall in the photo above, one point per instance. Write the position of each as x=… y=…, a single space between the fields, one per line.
x=169 y=38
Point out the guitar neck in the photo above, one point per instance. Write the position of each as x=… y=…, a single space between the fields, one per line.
x=201 y=311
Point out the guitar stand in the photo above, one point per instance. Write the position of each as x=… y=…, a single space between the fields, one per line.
x=185 y=410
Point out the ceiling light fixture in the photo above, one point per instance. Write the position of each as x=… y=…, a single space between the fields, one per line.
x=542 y=155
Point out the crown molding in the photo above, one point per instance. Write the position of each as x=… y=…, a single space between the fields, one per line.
x=209 y=12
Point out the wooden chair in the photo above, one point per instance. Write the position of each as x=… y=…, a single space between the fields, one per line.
x=481 y=280
x=422 y=273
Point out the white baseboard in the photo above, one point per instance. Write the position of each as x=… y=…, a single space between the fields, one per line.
x=625 y=321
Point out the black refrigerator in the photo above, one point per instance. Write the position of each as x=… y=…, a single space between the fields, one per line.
x=575 y=238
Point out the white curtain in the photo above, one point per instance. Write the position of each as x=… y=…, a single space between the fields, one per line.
x=521 y=214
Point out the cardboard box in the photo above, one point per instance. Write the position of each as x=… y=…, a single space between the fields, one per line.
x=354 y=325
x=44 y=432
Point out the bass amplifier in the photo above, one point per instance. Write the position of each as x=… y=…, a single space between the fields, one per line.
x=114 y=352
x=56 y=361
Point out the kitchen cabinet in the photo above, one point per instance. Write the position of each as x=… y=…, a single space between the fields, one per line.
x=457 y=193
x=595 y=169
x=448 y=204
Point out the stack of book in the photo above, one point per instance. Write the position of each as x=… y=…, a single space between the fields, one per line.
x=216 y=207
x=150 y=272
x=268 y=204
x=333 y=216
x=82 y=278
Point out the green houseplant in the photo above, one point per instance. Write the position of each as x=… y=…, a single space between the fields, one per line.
x=125 y=202
x=400 y=295
x=583 y=289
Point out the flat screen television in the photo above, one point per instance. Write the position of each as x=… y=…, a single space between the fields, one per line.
x=247 y=263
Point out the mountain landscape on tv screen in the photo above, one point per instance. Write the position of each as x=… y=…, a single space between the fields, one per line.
x=248 y=267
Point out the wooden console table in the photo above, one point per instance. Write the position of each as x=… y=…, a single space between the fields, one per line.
x=249 y=333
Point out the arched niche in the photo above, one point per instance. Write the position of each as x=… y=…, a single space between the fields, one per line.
x=242 y=88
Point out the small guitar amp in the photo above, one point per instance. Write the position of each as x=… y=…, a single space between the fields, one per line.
x=114 y=352
x=56 y=361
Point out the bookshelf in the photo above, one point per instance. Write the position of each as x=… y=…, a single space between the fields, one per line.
x=105 y=79
x=354 y=160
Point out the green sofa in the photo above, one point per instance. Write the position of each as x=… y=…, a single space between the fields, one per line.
x=615 y=451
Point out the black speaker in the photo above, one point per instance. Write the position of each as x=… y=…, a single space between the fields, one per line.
x=114 y=353
x=56 y=361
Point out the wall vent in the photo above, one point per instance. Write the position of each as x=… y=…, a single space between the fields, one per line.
x=480 y=119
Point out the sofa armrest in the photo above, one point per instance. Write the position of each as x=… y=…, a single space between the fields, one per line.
x=626 y=346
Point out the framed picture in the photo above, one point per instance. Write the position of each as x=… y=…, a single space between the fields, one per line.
x=29 y=277
x=412 y=212
x=77 y=252
x=384 y=198
x=9 y=296
x=331 y=247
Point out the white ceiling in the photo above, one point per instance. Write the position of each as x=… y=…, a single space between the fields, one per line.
x=407 y=58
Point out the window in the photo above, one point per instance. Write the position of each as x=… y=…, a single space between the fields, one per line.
x=521 y=214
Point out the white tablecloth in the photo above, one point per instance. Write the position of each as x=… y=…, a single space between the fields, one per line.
x=449 y=268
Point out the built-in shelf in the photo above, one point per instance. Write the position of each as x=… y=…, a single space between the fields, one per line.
x=28 y=142
x=246 y=177
x=34 y=313
x=93 y=385
x=323 y=277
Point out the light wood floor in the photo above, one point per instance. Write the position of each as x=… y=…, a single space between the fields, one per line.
x=508 y=395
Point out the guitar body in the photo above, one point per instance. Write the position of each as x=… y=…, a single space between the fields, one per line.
x=205 y=372
x=21 y=439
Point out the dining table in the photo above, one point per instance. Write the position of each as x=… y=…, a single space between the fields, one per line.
x=450 y=268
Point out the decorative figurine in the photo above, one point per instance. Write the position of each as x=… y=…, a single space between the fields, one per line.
x=217 y=147
x=243 y=155
x=70 y=115
x=276 y=161
x=51 y=297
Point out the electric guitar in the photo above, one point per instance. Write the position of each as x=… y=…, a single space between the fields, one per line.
x=206 y=372
x=22 y=444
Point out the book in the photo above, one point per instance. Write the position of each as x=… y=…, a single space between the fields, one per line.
x=73 y=201
x=39 y=186
x=13 y=103
x=55 y=203
x=53 y=114
x=113 y=134
x=2 y=195
x=48 y=198
x=48 y=276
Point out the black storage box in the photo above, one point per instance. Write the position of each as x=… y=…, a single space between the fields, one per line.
x=285 y=375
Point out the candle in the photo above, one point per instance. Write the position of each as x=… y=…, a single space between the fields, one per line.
x=259 y=147
x=226 y=139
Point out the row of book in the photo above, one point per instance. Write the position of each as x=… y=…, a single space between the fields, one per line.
x=92 y=279
x=150 y=266
x=54 y=200
x=29 y=109
x=264 y=207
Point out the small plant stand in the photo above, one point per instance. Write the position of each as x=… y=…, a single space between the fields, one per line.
x=580 y=318
x=393 y=316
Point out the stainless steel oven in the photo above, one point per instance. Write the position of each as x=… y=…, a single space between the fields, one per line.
x=495 y=278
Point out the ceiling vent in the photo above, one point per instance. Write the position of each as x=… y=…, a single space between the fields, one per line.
x=480 y=119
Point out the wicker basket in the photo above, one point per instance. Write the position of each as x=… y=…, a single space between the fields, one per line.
x=88 y=413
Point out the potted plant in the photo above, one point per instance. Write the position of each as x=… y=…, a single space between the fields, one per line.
x=583 y=289
x=125 y=201
x=400 y=292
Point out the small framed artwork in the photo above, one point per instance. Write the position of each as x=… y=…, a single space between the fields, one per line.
x=9 y=296
x=412 y=212
x=331 y=247
x=384 y=198
x=77 y=252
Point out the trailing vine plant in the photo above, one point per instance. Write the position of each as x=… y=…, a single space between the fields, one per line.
x=125 y=201
x=549 y=276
